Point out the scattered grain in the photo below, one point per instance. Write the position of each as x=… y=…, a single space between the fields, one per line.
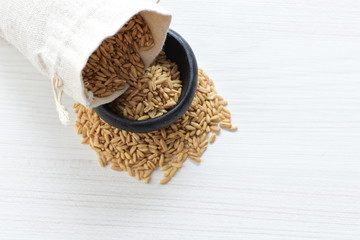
x=212 y=138
x=233 y=128
x=165 y=180
x=168 y=148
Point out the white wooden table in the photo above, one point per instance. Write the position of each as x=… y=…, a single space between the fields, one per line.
x=291 y=72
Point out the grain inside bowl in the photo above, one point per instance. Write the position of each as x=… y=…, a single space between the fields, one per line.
x=139 y=154
x=152 y=94
x=117 y=60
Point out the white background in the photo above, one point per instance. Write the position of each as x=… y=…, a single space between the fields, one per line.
x=291 y=73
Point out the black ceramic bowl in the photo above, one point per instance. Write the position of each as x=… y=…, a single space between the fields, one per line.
x=178 y=51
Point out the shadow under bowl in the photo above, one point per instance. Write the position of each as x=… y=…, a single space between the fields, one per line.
x=178 y=51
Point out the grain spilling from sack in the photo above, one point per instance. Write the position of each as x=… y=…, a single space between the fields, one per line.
x=117 y=60
x=153 y=94
x=139 y=154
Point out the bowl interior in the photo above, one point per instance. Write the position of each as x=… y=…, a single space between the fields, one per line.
x=175 y=52
x=178 y=51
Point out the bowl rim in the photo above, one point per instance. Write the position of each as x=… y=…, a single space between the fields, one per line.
x=152 y=124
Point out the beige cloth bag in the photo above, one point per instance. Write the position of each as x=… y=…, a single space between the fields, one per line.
x=58 y=36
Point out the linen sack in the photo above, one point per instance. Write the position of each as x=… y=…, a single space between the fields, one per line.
x=59 y=36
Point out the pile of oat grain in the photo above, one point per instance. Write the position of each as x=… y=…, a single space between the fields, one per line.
x=139 y=154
